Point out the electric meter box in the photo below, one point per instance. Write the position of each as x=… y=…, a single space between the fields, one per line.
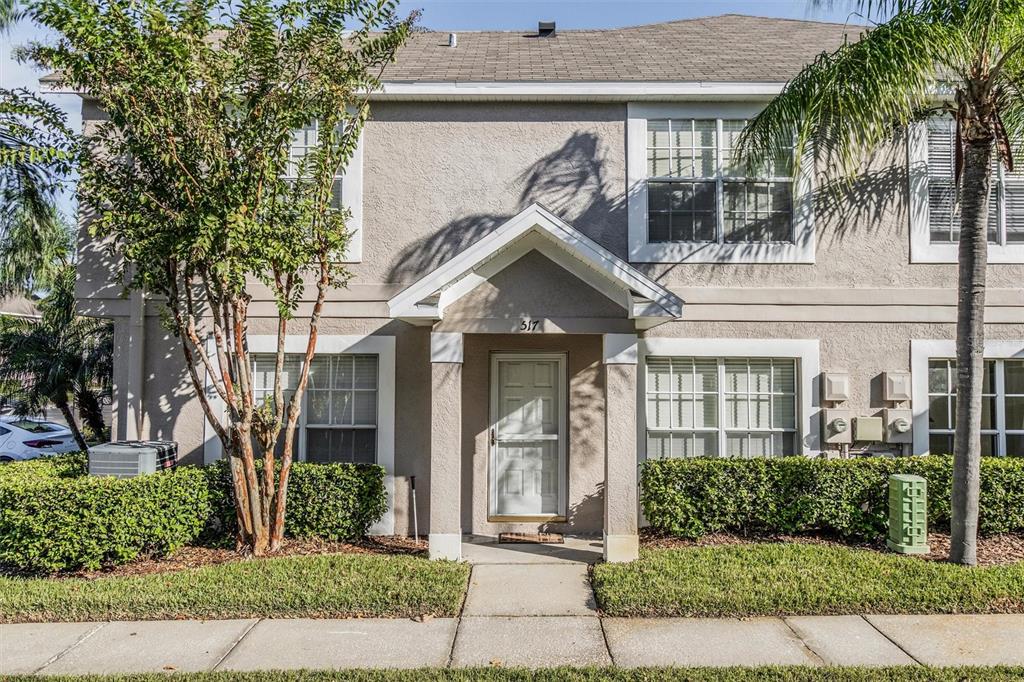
x=899 y=426
x=838 y=426
x=908 y=514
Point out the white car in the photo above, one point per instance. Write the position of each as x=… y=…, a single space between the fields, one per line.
x=22 y=438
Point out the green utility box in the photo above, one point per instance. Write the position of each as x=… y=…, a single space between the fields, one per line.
x=908 y=514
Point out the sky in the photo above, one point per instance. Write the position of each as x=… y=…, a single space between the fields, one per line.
x=467 y=15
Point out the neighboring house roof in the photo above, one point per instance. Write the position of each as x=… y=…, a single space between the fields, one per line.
x=19 y=306
x=727 y=48
x=536 y=228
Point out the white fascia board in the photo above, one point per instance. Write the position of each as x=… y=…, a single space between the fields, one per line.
x=555 y=90
x=588 y=252
x=611 y=90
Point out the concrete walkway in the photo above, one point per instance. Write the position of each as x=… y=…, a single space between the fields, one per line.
x=529 y=607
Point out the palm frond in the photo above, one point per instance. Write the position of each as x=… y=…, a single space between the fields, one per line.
x=848 y=101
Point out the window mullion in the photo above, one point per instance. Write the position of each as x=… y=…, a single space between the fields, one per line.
x=721 y=407
x=1001 y=207
x=1000 y=408
x=719 y=188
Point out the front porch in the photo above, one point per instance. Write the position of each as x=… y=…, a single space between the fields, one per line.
x=533 y=352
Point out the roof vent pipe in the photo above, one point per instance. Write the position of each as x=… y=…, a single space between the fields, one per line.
x=453 y=40
x=545 y=29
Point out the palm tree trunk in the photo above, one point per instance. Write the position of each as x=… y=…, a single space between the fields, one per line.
x=65 y=410
x=91 y=412
x=970 y=348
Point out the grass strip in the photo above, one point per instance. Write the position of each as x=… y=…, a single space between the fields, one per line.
x=800 y=579
x=325 y=586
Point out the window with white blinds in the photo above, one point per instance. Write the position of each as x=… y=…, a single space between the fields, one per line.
x=303 y=141
x=721 y=407
x=1002 y=407
x=338 y=422
x=697 y=192
x=1006 y=202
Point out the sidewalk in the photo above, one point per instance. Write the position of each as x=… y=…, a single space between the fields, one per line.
x=524 y=608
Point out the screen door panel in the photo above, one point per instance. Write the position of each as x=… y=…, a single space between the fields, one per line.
x=527 y=435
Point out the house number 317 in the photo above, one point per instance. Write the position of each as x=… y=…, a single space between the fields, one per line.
x=529 y=325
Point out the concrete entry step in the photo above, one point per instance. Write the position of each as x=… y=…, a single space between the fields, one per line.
x=482 y=549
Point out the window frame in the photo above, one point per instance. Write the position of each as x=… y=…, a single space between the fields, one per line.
x=923 y=351
x=351 y=198
x=301 y=449
x=922 y=250
x=806 y=353
x=721 y=395
x=800 y=250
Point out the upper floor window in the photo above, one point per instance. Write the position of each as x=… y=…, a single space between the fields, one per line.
x=697 y=192
x=691 y=201
x=935 y=206
x=347 y=190
x=303 y=141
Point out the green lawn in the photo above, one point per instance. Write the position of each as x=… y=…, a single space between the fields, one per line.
x=790 y=674
x=325 y=586
x=800 y=579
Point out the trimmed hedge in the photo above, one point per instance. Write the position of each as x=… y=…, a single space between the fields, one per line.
x=329 y=501
x=53 y=522
x=694 y=497
x=53 y=517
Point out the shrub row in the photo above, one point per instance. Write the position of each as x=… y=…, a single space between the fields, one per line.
x=694 y=497
x=329 y=501
x=53 y=517
x=55 y=523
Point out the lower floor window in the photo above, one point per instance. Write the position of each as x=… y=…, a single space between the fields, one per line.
x=721 y=407
x=1002 y=407
x=338 y=421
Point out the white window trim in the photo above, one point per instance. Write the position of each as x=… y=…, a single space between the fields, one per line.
x=352 y=198
x=640 y=251
x=807 y=353
x=381 y=346
x=923 y=350
x=922 y=250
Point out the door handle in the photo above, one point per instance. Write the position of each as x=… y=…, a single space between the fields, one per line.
x=494 y=440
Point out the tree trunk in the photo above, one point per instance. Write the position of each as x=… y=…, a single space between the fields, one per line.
x=91 y=412
x=970 y=347
x=65 y=410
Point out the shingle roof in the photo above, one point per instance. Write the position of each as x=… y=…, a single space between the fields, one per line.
x=727 y=48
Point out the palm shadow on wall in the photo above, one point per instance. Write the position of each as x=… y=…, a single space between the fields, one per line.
x=572 y=182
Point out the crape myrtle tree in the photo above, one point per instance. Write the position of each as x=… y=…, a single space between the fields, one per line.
x=958 y=58
x=191 y=184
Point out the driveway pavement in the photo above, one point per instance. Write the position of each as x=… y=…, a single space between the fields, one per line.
x=536 y=614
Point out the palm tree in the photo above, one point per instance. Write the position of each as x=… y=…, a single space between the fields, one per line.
x=958 y=58
x=60 y=359
x=36 y=150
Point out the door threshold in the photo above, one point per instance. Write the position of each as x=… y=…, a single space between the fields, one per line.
x=539 y=518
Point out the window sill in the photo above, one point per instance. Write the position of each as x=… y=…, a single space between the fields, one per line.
x=925 y=252
x=722 y=253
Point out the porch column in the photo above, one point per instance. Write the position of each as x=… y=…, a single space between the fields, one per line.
x=445 y=446
x=621 y=539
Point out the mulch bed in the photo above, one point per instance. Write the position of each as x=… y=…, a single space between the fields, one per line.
x=197 y=557
x=997 y=550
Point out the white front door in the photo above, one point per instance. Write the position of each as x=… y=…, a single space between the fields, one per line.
x=528 y=427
